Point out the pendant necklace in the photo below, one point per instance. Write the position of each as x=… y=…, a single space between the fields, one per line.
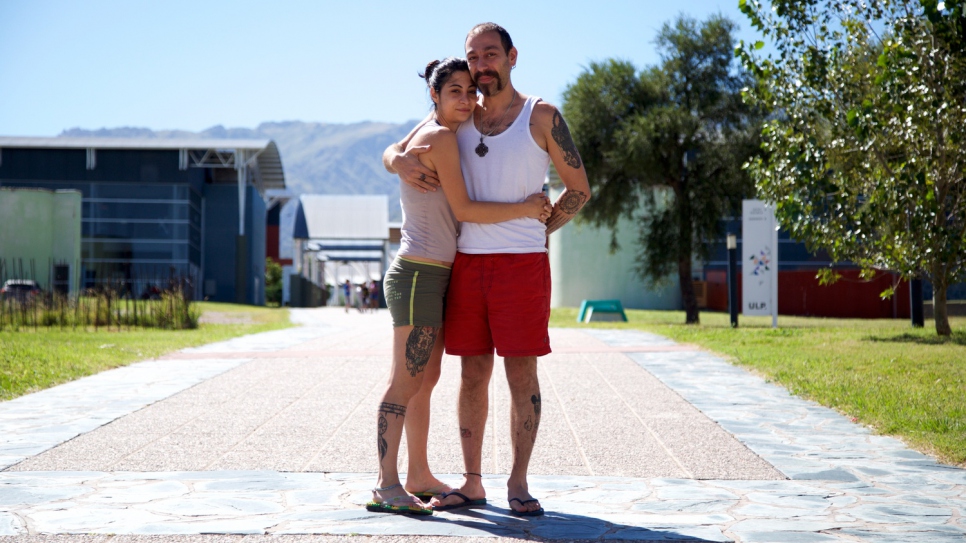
x=482 y=149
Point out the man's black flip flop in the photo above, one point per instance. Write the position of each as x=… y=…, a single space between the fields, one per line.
x=524 y=513
x=465 y=503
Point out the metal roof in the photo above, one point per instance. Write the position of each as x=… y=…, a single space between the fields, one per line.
x=133 y=143
x=342 y=217
x=269 y=163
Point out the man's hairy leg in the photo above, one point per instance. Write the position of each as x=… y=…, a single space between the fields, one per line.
x=474 y=404
x=525 y=408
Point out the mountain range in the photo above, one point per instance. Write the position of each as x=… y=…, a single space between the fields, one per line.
x=318 y=158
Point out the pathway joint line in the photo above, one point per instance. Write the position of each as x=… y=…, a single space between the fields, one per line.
x=265 y=422
x=335 y=353
x=180 y=426
x=573 y=432
x=343 y=423
x=686 y=471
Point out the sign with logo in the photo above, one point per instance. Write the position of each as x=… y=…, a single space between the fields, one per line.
x=759 y=259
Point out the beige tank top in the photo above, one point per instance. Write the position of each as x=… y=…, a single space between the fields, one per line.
x=429 y=227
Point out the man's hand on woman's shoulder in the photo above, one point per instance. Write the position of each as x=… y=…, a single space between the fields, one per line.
x=411 y=171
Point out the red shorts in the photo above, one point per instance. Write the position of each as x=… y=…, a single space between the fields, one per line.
x=501 y=301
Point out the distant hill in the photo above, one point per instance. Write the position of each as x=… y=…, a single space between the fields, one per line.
x=318 y=158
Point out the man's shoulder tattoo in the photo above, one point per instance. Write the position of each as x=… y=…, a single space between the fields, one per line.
x=561 y=135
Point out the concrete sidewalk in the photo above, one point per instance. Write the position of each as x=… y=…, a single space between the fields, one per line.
x=641 y=439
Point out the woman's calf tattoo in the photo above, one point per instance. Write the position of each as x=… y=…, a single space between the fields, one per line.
x=383 y=424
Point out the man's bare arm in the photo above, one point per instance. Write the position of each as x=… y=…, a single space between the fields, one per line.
x=396 y=159
x=390 y=153
x=565 y=208
x=570 y=168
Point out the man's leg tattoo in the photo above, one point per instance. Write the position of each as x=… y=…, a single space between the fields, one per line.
x=537 y=406
x=387 y=409
x=465 y=433
x=419 y=347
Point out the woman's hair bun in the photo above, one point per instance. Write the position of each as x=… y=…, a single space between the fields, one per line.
x=429 y=69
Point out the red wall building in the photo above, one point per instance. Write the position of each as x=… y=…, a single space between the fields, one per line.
x=272 y=220
x=799 y=293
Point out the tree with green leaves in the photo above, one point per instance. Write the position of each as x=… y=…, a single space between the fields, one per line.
x=866 y=159
x=664 y=146
x=273 y=282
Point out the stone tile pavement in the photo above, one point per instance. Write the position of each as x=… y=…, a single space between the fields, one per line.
x=643 y=440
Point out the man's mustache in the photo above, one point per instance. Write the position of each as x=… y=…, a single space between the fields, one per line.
x=490 y=73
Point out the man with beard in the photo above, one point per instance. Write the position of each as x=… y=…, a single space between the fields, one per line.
x=499 y=292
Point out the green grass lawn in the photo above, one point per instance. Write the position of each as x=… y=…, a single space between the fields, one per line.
x=34 y=360
x=883 y=373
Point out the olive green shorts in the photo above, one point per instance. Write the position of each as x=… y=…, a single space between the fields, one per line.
x=415 y=292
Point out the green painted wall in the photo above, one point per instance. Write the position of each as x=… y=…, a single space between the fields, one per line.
x=582 y=267
x=43 y=226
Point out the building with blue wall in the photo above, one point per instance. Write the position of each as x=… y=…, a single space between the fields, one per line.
x=157 y=209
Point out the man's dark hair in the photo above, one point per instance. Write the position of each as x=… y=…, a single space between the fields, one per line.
x=493 y=27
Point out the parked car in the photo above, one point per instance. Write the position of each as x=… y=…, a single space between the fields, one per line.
x=20 y=289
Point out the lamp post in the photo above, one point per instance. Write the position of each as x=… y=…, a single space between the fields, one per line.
x=915 y=303
x=732 y=244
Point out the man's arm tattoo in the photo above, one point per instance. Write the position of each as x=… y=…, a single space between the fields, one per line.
x=561 y=135
x=383 y=424
x=419 y=347
x=565 y=208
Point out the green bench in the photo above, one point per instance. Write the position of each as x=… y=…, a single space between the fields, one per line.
x=601 y=310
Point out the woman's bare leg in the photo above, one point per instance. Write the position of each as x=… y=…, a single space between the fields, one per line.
x=412 y=350
x=419 y=478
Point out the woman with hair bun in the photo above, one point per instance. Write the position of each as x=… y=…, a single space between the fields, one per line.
x=416 y=283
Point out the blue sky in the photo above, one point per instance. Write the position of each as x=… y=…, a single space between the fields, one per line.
x=195 y=64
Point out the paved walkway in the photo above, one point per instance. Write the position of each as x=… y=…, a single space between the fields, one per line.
x=641 y=439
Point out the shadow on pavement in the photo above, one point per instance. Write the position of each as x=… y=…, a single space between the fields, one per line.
x=554 y=526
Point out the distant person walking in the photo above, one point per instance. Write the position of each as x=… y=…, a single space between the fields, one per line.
x=364 y=292
x=416 y=283
x=373 y=295
x=347 y=294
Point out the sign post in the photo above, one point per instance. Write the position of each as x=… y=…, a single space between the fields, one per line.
x=759 y=260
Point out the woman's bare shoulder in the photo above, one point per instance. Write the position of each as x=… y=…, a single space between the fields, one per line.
x=433 y=134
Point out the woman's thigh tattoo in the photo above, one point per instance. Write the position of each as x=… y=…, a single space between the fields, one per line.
x=419 y=347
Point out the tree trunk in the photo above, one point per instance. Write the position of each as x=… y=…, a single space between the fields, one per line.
x=687 y=291
x=685 y=252
x=939 y=310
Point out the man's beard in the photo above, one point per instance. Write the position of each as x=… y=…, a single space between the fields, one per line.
x=493 y=87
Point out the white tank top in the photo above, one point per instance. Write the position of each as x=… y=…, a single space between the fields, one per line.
x=514 y=167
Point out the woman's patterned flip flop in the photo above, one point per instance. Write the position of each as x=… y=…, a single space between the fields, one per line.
x=390 y=506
